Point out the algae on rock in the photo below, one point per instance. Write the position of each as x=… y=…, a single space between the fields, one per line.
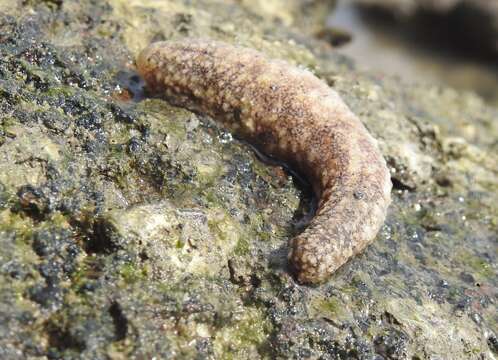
x=131 y=229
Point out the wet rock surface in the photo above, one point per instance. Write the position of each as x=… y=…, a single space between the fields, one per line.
x=132 y=229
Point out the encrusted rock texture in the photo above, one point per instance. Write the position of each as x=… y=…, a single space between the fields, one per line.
x=130 y=228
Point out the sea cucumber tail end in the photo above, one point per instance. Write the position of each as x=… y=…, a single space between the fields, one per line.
x=344 y=226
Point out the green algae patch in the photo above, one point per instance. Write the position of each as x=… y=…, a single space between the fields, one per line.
x=132 y=274
x=224 y=228
x=477 y=264
x=242 y=247
x=331 y=308
x=244 y=338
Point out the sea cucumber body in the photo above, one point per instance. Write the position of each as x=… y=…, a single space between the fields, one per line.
x=289 y=114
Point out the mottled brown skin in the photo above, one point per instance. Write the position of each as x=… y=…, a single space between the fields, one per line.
x=290 y=114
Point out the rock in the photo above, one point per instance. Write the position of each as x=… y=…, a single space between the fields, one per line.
x=473 y=22
x=131 y=229
x=309 y=16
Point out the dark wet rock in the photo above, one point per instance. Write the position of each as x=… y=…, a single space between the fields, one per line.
x=473 y=24
x=32 y=201
x=130 y=228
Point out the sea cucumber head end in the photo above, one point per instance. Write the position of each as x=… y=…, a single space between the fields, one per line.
x=148 y=60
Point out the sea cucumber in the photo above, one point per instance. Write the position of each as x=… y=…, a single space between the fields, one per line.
x=290 y=114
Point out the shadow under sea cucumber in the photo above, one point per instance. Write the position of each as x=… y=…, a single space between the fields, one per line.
x=289 y=114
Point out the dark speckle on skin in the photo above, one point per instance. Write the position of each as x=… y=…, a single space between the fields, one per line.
x=289 y=114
